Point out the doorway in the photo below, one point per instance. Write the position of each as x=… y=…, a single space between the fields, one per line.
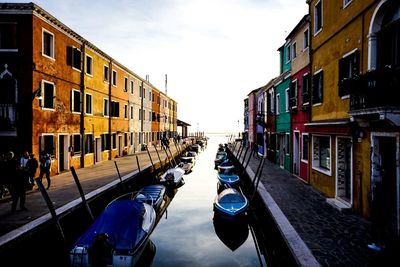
x=296 y=153
x=344 y=172
x=98 y=149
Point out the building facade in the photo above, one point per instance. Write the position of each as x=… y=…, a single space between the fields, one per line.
x=62 y=95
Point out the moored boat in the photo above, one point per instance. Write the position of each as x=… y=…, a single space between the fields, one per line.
x=186 y=164
x=117 y=237
x=231 y=202
x=173 y=177
x=228 y=179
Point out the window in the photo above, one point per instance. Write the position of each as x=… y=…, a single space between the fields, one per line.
x=48 y=95
x=76 y=58
x=348 y=69
x=114 y=141
x=294 y=54
x=8 y=36
x=47 y=44
x=306 y=39
x=388 y=38
x=144 y=115
x=271 y=101
x=321 y=159
x=114 y=109
x=287 y=100
x=105 y=142
x=125 y=139
x=278 y=104
x=89 y=144
x=286 y=147
x=288 y=56
x=76 y=143
x=305 y=89
x=318 y=17
x=293 y=95
x=304 y=146
x=131 y=112
x=141 y=91
x=346 y=3
x=125 y=84
x=114 y=78
x=88 y=104
x=140 y=114
x=318 y=87
x=132 y=87
x=131 y=139
x=46 y=144
x=153 y=116
x=75 y=101
x=149 y=115
x=149 y=96
x=106 y=108
x=106 y=74
x=89 y=65
x=125 y=111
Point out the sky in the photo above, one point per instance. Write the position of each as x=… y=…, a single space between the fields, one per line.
x=214 y=52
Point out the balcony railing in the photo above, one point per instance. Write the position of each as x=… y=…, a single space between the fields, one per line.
x=374 y=89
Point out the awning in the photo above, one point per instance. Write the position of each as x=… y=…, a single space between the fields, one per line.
x=329 y=127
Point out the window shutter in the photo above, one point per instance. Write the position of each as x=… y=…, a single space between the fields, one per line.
x=41 y=101
x=69 y=55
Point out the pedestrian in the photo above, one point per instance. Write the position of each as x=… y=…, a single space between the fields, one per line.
x=45 y=165
x=32 y=165
x=17 y=185
x=23 y=162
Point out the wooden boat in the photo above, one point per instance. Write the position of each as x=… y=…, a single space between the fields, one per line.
x=228 y=179
x=186 y=164
x=219 y=158
x=231 y=202
x=226 y=167
x=117 y=237
x=173 y=177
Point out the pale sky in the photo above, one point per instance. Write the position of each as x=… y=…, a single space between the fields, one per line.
x=214 y=51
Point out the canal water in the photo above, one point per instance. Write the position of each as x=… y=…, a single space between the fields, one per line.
x=188 y=234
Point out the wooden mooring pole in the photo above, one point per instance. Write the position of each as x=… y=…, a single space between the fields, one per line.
x=119 y=175
x=50 y=206
x=137 y=162
x=158 y=155
x=151 y=160
x=78 y=184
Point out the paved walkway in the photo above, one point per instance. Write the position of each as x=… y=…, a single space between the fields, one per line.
x=64 y=193
x=313 y=228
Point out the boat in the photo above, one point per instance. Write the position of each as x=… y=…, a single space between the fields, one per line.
x=233 y=233
x=173 y=177
x=226 y=167
x=196 y=148
x=186 y=164
x=228 y=179
x=231 y=202
x=117 y=237
x=151 y=194
x=219 y=158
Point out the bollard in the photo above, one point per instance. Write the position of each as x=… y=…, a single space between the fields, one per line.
x=50 y=206
x=78 y=184
x=119 y=175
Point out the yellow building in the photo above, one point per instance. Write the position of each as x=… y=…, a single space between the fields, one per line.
x=355 y=114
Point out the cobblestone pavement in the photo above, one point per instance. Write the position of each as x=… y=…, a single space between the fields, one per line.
x=334 y=238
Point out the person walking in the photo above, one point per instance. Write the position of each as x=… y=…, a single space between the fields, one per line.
x=45 y=164
x=17 y=178
x=32 y=166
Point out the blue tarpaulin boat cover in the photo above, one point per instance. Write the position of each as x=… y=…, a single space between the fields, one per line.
x=121 y=221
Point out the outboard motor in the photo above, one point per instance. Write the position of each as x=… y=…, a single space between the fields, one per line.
x=100 y=253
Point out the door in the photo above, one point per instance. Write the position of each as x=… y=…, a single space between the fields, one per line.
x=98 y=149
x=282 y=148
x=120 y=145
x=344 y=173
x=62 y=153
x=296 y=153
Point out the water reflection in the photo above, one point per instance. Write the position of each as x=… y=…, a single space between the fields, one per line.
x=188 y=236
x=232 y=232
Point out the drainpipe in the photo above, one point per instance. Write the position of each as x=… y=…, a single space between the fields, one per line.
x=142 y=111
x=109 y=106
x=310 y=53
x=83 y=100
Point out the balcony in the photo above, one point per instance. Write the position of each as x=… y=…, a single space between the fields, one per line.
x=375 y=93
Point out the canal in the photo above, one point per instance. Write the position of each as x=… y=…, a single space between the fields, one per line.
x=187 y=234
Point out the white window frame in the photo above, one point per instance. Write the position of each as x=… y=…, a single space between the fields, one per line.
x=73 y=58
x=114 y=80
x=302 y=148
x=288 y=49
x=43 y=96
x=91 y=104
x=287 y=102
x=306 y=37
x=94 y=148
x=72 y=144
x=54 y=146
x=91 y=66
x=126 y=111
x=309 y=89
x=132 y=87
x=317 y=31
x=73 y=101
x=108 y=74
x=317 y=168
x=294 y=52
x=311 y=85
x=131 y=112
x=106 y=107
x=52 y=56
x=126 y=80
x=278 y=104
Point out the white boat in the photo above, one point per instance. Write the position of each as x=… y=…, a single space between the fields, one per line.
x=117 y=237
x=173 y=177
x=186 y=164
x=231 y=202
